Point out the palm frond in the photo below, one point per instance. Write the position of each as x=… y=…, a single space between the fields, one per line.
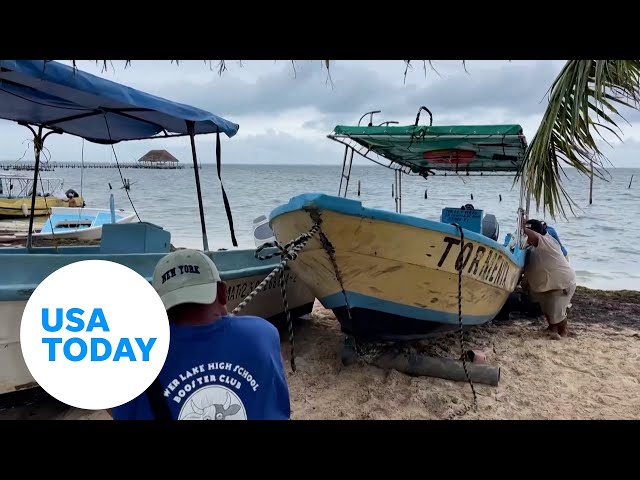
x=583 y=98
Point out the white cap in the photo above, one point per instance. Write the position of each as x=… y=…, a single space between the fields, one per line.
x=186 y=276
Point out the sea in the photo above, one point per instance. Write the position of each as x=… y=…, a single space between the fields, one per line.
x=603 y=238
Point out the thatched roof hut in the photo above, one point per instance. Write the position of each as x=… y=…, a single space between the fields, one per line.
x=158 y=157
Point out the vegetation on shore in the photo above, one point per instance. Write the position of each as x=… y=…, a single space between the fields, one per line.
x=626 y=295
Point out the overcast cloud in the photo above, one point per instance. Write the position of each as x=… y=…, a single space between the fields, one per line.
x=286 y=113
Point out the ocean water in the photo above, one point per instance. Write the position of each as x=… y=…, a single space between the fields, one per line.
x=603 y=239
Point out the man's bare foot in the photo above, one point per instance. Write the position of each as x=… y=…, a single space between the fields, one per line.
x=563 y=331
x=554 y=336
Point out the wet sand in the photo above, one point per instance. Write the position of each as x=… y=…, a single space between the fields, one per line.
x=593 y=374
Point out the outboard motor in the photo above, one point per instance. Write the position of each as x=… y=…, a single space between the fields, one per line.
x=71 y=193
x=262 y=232
x=490 y=227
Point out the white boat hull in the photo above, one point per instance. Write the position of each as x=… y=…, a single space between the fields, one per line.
x=88 y=233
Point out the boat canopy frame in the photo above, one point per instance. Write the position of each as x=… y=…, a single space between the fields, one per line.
x=490 y=150
x=25 y=185
x=45 y=94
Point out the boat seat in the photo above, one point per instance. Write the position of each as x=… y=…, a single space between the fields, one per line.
x=139 y=237
x=490 y=227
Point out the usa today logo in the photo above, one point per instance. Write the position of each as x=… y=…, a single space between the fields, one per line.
x=94 y=334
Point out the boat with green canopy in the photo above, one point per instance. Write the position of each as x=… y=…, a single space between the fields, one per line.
x=388 y=275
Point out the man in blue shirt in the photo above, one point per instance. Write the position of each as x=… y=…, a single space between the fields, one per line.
x=219 y=367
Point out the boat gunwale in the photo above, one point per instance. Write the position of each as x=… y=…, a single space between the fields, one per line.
x=354 y=208
x=23 y=291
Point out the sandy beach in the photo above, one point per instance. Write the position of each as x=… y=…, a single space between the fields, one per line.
x=593 y=374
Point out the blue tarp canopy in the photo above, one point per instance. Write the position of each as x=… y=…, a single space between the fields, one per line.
x=53 y=95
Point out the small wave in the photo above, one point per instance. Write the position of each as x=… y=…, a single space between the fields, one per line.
x=585 y=274
x=608 y=228
x=626 y=250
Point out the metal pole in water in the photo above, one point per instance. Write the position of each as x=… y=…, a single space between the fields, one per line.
x=591 y=185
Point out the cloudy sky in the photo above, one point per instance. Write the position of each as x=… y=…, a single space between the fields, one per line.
x=285 y=114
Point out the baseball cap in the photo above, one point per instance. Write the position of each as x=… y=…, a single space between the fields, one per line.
x=186 y=276
x=537 y=226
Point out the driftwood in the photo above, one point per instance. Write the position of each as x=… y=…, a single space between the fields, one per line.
x=446 y=368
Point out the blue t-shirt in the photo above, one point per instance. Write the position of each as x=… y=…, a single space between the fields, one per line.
x=228 y=370
x=552 y=231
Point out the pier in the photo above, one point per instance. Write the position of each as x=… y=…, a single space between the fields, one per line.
x=52 y=166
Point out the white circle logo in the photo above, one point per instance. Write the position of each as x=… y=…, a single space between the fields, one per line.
x=94 y=334
x=214 y=402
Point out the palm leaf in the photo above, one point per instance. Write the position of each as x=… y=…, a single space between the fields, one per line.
x=583 y=98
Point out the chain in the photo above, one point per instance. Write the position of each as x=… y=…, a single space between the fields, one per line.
x=373 y=350
x=459 y=264
x=288 y=253
x=331 y=251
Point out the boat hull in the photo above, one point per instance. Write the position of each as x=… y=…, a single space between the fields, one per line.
x=238 y=268
x=399 y=272
x=16 y=207
x=72 y=215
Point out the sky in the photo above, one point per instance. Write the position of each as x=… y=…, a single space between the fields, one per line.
x=286 y=111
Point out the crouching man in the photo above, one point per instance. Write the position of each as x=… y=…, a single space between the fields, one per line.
x=548 y=277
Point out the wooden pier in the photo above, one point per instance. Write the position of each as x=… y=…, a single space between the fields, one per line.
x=52 y=166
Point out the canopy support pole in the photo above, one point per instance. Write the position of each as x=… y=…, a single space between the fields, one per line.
x=398 y=189
x=38 y=145
x=191 y=130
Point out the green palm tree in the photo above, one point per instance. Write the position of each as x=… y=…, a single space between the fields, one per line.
x=582 y=100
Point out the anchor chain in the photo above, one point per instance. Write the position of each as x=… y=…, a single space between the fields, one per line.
x=459 y=263
x=288 y=252
x=331 y=252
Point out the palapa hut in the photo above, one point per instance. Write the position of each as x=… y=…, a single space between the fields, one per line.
x=159 y=159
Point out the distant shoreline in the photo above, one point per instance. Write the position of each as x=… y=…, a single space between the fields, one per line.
x=188 y=164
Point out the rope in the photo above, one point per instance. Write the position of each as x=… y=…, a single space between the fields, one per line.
x=462 y=349
x=115 y=156
x=82 y=173
x=287 y=253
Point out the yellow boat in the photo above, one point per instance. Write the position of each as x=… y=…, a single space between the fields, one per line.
x=15 y=196
x=387 y=275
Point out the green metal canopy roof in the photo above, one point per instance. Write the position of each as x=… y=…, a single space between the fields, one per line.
x=499 y=148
